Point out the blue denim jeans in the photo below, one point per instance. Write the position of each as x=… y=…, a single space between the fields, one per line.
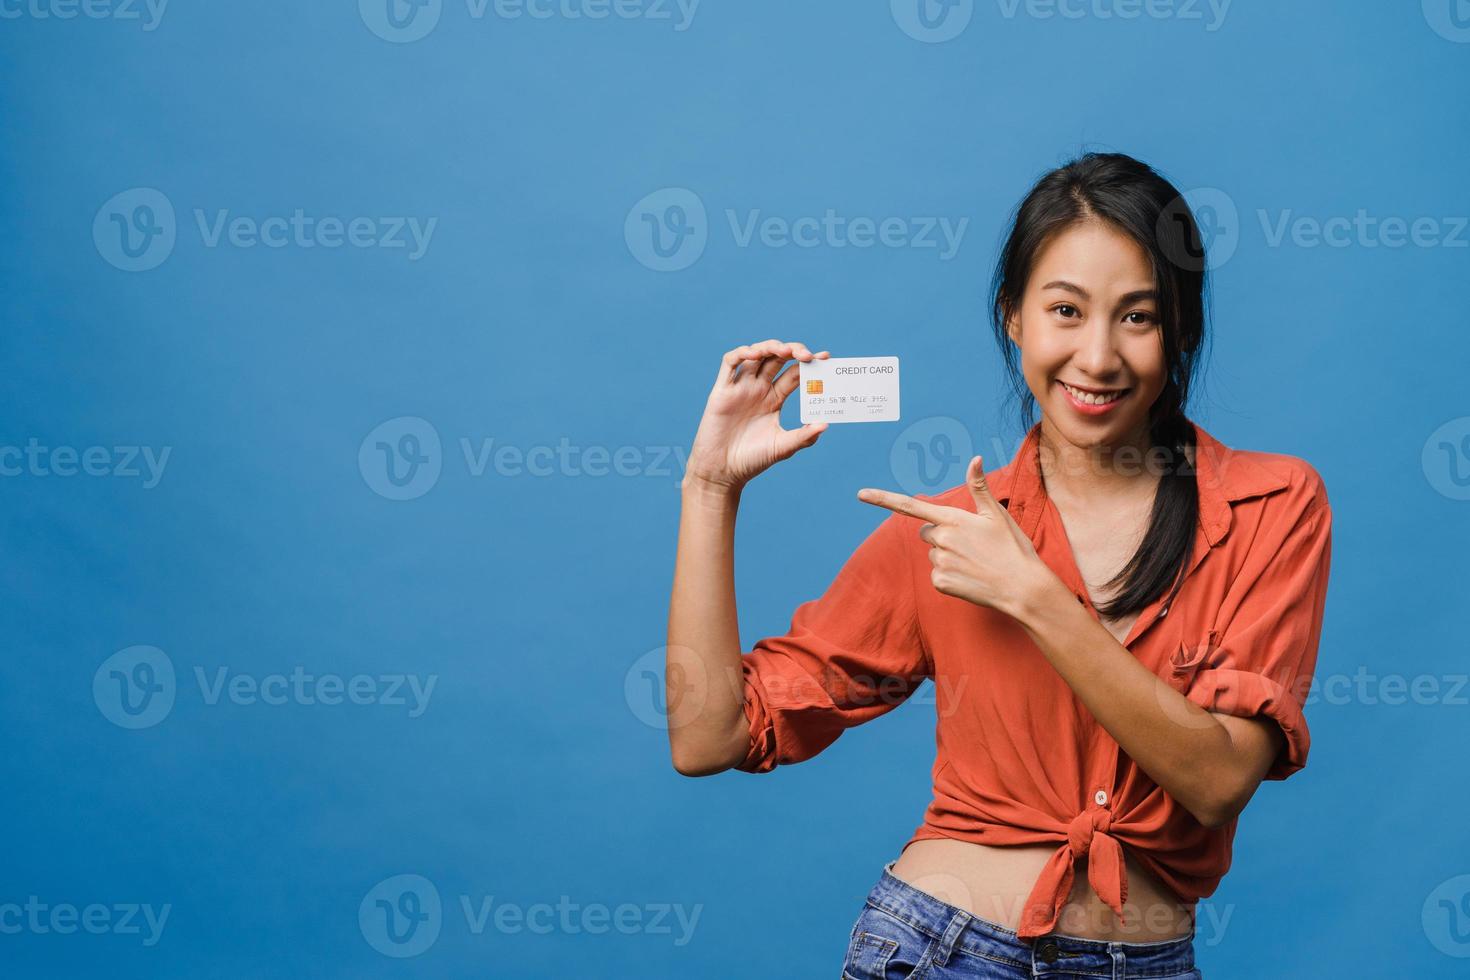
x=904 y=933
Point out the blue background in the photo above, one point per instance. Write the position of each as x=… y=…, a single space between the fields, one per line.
x=535 y=772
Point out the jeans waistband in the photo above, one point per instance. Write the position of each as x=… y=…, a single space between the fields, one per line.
x=1051 y=954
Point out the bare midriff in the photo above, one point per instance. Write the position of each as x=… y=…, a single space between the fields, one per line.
x=993 y=883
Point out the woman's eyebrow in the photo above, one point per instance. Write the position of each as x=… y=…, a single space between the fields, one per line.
x=1069 y=287
x=1126 y=298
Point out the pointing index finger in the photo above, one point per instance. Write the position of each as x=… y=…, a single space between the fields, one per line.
x=902 y=503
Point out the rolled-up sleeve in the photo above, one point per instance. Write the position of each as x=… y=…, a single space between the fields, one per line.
x=849 y=656
x=1261 y=658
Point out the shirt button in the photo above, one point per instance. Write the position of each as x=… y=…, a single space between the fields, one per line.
x=1101 y=798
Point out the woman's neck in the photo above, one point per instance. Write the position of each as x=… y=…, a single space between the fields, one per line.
x=1098 y=473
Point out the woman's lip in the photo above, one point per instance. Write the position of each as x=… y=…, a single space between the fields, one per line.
x=1087 y=409
x=1093 y=391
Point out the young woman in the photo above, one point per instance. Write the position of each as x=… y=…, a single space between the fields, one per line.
x=1121 y=624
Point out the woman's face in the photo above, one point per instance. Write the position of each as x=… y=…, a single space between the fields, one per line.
x=1090 y=318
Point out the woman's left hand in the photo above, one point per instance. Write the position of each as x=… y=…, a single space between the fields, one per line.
x=982 y=556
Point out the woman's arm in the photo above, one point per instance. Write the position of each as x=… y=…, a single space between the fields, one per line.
x=707 y=727
x=1211 y=763
x=739 y=437
x=1209 y=760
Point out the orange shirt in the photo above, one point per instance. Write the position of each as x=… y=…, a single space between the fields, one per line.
x=1020 y=759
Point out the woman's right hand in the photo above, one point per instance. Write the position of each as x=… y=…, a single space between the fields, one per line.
x=740 y=434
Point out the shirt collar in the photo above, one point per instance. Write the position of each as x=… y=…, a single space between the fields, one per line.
x=1222 y=474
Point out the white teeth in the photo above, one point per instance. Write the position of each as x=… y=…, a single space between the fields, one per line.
x=1087 y=398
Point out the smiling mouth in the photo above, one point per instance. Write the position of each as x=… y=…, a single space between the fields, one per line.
x=1095 y=397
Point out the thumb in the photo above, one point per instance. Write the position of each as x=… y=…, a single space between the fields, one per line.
x=791 y=441
x=979 y=489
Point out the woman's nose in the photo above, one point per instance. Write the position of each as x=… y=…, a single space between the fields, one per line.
x=1098 y=355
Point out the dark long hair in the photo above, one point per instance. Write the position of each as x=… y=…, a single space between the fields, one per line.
x=1133 y=198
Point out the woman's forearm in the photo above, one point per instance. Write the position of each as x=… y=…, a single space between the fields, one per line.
x=706 y=717
x=1181 y=746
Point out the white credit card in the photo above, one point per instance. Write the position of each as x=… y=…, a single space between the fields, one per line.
x=849 y=389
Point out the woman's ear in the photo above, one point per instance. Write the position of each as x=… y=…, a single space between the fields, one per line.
x=1013 y=328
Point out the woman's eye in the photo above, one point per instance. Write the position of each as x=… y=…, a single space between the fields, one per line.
x=1146 y=317
x=1065 y=309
